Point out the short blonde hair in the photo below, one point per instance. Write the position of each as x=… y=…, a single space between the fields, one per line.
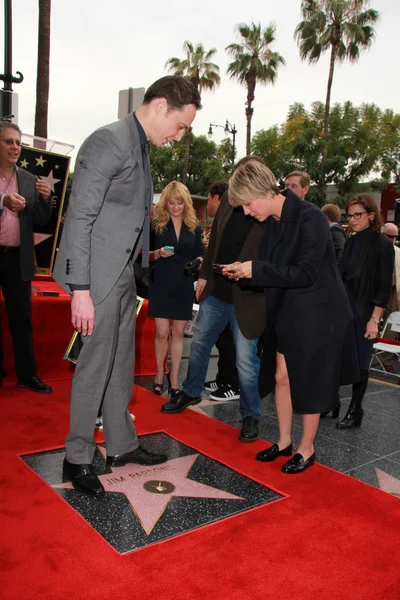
x=332 y=212
x=249 y=181
x=174 y=191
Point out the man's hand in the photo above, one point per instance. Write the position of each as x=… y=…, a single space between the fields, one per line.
x=201 y=284
x=43 y=188
x=238 y=270
x=14 y=202
x=82 y=312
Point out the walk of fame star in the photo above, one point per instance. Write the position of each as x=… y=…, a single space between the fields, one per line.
x=149 y=490
x=388 y=483
x=40 y=161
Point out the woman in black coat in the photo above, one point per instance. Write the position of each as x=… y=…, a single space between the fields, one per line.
x=175 y=240
x=309 y=341
x=367 y=270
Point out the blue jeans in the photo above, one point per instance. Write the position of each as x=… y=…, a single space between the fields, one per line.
x=214 y=316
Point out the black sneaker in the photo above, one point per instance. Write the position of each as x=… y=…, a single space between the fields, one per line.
x=225 y=393
x=249 y=431
x=211 y=386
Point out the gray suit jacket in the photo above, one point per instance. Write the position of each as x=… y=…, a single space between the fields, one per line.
x=37 y=211
x=106 y=210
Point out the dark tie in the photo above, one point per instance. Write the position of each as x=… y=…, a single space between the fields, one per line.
x=146 y=224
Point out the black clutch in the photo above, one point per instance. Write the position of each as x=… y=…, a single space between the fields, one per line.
x=192 y=266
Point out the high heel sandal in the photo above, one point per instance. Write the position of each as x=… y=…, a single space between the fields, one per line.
x=173 y=392
x=158 y=387
x=335 y=412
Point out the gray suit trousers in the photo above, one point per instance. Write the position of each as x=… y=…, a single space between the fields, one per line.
x=104 y=376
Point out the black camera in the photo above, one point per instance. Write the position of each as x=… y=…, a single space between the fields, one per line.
x=192 y=266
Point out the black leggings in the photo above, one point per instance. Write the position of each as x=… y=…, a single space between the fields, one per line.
x=359 y=389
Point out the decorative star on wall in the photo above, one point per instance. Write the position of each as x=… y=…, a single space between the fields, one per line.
x=24 y=163
x=40 y=161
x=50 y=180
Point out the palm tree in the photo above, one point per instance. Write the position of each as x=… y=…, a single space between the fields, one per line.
x=204 y=74
x=344 y=26
x=43 y=69
x=254 y=62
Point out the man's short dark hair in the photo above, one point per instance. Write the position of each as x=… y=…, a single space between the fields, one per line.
x=177 y=91
x=218 y=187
x=5 y=124
x=246 y=159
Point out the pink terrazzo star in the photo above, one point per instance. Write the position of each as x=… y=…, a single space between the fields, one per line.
x=388 y=483
x=150 y=489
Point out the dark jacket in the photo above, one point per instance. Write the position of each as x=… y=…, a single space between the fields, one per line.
x=249 y=304
x=309 y=319
x=37 y=211
x=370 y=277
x=339 y=240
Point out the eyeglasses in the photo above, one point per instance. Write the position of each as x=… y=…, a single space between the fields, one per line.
x=357 y=216
x=11 y=141
x=391 y=237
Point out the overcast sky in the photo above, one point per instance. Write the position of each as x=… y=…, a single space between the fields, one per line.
x=99 y=47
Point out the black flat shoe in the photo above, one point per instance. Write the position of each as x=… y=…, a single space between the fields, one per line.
x=83 y=478
x=35 y=385
x=249 y=431
x=140 y=456
x=273 y=452
x=179 y=403
x=334 y=413
x=297 y=464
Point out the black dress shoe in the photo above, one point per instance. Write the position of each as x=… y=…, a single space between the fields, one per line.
x=297 y=464
x=249 y=431
x=140 y=456
x=35 y=385
x=83 y=478
x=179 y=403
x=273 y=452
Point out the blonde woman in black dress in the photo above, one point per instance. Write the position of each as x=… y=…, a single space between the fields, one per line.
x=175 y=240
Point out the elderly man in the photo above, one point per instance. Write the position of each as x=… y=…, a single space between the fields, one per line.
x=391 y=231
x=299 y=183
x=24 y=200
x=106 y=226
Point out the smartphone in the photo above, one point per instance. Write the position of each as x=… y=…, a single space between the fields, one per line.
x=169 y=248
x=218 y=268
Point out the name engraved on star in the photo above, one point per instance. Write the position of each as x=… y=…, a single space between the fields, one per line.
x=151 y=471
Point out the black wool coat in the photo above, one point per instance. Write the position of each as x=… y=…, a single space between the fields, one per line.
x=309 y=319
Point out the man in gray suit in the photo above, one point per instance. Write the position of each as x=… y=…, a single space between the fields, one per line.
x=106 y=226
x=24 y=200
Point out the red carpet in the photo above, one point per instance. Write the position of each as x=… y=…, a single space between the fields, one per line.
x=334 y=538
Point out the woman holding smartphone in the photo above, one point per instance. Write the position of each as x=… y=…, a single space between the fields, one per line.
x=175 y=240
x=310 y=345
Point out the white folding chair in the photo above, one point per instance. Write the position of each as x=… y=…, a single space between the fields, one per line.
x=380 y=349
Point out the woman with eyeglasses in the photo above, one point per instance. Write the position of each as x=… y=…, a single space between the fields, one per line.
x=367 y=270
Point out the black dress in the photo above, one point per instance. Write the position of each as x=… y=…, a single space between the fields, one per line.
x=171 y=291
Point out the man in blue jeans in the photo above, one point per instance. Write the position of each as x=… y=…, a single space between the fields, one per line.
x=234 y=236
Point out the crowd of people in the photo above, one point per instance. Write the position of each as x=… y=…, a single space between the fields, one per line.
x=292 y=303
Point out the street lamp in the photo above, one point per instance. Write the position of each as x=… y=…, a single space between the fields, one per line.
x=228 y=129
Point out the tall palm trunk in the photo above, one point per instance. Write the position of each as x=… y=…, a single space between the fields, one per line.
x=188 y=135
x=251 y=86
x=322 y=186
x=43 y=69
